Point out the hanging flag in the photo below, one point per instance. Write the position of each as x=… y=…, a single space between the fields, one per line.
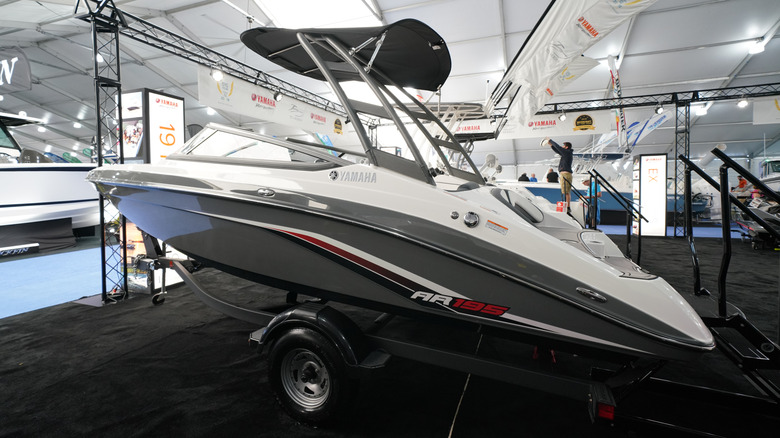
x=15 y=74
x=620 y=115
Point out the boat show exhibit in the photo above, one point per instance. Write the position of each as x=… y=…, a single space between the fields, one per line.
x=388 y=232
x=273 y=260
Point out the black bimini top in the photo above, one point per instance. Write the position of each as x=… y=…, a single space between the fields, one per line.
x=411 y=55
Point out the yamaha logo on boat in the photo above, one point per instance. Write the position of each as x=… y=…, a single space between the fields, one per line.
x=333 y=175
x=362 y=177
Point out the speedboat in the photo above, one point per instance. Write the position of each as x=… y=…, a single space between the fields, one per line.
x=393 y=232
x=39 y=195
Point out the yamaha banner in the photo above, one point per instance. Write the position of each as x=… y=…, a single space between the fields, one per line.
x=15 y=72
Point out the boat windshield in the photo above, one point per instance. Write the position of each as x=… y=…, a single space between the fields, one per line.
x=6 y=141
x=236 y=144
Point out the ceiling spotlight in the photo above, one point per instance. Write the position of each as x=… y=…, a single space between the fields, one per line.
x=701 y=110
x=757 y=47
x=278 y=96
x=562 y=117
x=659 y=109
x=99 y=58
x=1 y=97
x=210 y=111
x=217 y=74
x=41 y=129
x=76 y=125
x=742 y=103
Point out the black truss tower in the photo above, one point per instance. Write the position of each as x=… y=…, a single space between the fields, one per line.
x=682 y=146
x=105 y=20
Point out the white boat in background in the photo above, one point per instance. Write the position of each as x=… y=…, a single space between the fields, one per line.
x=35 y=192
x=769 y=172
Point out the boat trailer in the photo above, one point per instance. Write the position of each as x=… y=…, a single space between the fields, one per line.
x=324 y=354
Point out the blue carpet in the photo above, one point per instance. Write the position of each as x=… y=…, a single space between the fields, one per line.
x=36 y=282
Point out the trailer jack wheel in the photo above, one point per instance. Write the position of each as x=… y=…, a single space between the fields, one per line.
x=158 y=298
x=309 y=376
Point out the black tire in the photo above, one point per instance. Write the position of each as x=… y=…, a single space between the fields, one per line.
x=309 y=377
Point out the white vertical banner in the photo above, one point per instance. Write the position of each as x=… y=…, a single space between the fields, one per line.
x=166 y=125
x=766 y=111
x=620 y=115
x=652 y=194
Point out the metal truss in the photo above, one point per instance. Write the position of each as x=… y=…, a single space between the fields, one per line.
x=682 y=146
x=710 y=95
x=155 y=36
x=105 y=20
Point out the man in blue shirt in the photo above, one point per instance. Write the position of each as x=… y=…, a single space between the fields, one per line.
x=564 y=168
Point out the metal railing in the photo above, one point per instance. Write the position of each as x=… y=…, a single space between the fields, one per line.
x=727 y=200
x=632 y=212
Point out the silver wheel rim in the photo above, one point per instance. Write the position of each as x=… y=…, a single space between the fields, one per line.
x=305 y=378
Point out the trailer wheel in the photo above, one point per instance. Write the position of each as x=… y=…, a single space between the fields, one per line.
x=309 y=376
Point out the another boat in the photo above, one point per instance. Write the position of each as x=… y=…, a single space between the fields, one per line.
x=769 y=172
x=395 y=233
x=39 y=195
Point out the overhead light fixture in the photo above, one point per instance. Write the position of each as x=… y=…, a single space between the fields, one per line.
x=701 y=110
x=41 y=129
x=217 y=74
x=659 y=109
x=210 y=111
x=562 y=117
x=1 y=97
x=278 y=96
x=757 y=47
x=742 y=103
x=76 y=125
x=99 y=58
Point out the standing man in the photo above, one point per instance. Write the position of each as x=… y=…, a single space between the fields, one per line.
x=564 y=168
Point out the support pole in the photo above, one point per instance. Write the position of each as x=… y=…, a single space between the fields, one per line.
x=725 y=220
x=105 y=20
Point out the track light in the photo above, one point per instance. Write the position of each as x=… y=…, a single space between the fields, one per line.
x=742 y=103
x=278 y=96
x=659 y=109
x=217 y=74
x=562 y=117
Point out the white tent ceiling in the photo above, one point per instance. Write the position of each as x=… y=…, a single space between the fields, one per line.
x=675 y=45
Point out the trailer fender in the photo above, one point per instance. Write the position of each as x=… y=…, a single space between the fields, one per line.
x=334 y=325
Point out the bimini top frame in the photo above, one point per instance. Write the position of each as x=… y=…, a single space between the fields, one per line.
x=405 y=54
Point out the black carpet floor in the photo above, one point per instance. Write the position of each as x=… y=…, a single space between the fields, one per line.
x=182 y=369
